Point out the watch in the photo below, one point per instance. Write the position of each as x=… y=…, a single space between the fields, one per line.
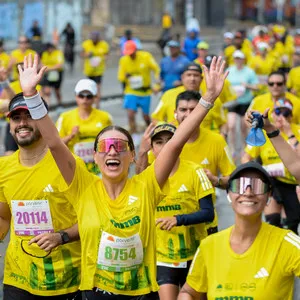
x=207 y=105
x=64 y=237
x=273 y=133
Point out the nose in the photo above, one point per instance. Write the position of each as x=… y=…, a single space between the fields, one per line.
x=112 y=150
x=248 y=190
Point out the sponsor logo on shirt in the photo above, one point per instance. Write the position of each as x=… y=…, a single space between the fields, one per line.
x=48 y=189
x=182 y=189
x=205 y=161
x=131 y=222
x=168 y=207
x=132 y=199
x=262 y=273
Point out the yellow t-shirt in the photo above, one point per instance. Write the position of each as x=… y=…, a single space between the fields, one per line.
x=187 y=186
x=131 y=216
x=270 y=158
x=166 y=22
x=293 y=81
x=228 y=53
x=4 y=60
x=16 y=87
x=136 y=73
x=50 y=59
x=95 y=65
x=265 y=271
x=18 y=57
x=83 y=144
x=262 y=102
x=33 y=196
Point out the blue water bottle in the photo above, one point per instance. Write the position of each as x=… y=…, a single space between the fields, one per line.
x=256 y=136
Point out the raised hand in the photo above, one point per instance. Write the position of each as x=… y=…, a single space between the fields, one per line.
x=214 y=78
x=145 y=145
x=30 y=76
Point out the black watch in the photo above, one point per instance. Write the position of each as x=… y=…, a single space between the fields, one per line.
x=273 y=133
x=64 y=237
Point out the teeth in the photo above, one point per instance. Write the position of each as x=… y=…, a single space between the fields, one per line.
x=112 y=161
x=248 y=203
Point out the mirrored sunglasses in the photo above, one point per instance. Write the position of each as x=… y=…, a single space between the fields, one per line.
x=284 y=112
x=239 y=186
x=103 y=146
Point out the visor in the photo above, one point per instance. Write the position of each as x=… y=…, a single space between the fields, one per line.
x=103 y=146
x=239 y=186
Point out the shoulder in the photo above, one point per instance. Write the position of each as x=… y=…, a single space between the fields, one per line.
x=261 y=97
x=15 y=52
x=216 y=240
x=102 y=113
x=86 y=43
x=292 y=97
x=68 y=114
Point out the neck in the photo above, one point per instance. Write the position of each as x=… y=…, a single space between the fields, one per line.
x=275 y=98
x=194 y=135
x=30 y=156
x=114 y=188
x=84 y=113
x=240 y=67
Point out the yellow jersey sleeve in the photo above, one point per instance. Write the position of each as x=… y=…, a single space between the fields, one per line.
x=252 y=151
x=60 y=125
x=159 y=113
x=122 y=70
x=154 y=67
x=226 y=165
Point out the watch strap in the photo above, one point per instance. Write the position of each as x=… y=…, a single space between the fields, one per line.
x=207 y=105
x=273 y=133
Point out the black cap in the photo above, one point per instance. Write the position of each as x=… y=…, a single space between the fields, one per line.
x=18 y=102
x=166 y=127
x=208 y=60
x=193 y=67
x=254 y=166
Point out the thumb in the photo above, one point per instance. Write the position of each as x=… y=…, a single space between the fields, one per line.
x=266 y=113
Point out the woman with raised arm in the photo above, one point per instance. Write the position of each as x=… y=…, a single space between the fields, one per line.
x=116 y=214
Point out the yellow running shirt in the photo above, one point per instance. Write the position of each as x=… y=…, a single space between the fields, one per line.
x=18 y=57
x=187 y=186
x=124 y=262
x=136 y=73
x=83 y=144
x=37 y=207
x=265 y=271
x=51 y=59
x=4 y=60
x=293 y=81
x=95 y=64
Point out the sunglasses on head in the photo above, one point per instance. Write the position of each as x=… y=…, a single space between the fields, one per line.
x=103 y=146
x=240 y=185
x=87 y=96
x=284 y=112
x=281 y=83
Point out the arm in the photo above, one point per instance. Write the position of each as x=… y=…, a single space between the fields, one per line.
x=7 y=93
x=29 y=78
x=219 y=182
x=245 y=158
x=5 y=217
x=188 y=293
x=214 y=78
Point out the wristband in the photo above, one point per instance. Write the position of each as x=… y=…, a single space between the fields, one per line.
x=296 y=144
x=207 y=105
x=218 y=182
x=4 y=84
x=36 y=106
x=273 y=133
x=291 y=136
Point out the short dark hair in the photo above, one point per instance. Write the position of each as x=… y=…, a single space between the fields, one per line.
x=278 y=72
x=117 y=128
x=188 y=96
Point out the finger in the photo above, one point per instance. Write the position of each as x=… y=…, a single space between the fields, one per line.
x=25 y=64
x=226 y=73
x=36 y=61
x=218 y=66
x=169 y=226
x=42 y=240
x=222 y=68
x=266 y=113
x=44 y=245
x=41 y=73
x=20 y=69
x=205 y=71
x=30 y=60
x=34 y=240
x=213 y=63
x=162 y=226
x=158 y=221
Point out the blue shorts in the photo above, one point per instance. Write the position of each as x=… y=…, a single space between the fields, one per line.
x=133 y=102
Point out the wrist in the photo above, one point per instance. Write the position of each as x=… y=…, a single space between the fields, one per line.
x=30 y=93
x=208 y=98
x=270 y=128
x=206 y=104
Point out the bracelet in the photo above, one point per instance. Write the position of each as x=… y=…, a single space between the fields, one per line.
x=36 y=106
x=291 y=136
x=273 y=133
x=4 y=84
x=296 y=144
x=207 y=105
x=31 y=95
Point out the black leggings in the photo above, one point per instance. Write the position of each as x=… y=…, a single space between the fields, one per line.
x=103 y=295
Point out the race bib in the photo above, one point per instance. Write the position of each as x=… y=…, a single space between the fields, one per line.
x=118 y=254
x=179 y=265
x=53 y=76
x=136 y=82
x=263 y=79
x=95 y=61
x=275 y=170
x=85 y=151
x=239 y=90
x=31 y=217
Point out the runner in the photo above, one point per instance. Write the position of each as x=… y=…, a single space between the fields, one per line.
x=4 y=57
x=117 y=210
x=53 y=59
x=135 y=69
x=203 y=48
x=79 y=127
x=273 y=252
x=69 y=40
x=94 y=52
x=128 y=37
x=180 y=216
x=43 y=254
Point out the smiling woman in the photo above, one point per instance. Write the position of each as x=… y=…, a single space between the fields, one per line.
x=116 y=213
x=256 y=257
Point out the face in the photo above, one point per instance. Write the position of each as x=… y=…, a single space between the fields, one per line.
x=281 y=116
x=114 y=165
x=249 y=204
x=192 y=34
x=191 y=80
x=174 y=51
x=85 y=99
x=23 y=43
x=276 y=85
x=202 y=52
x=23 y=128
x=239 y=62
x=159 y=141
x=184 y=108
x=238 y=41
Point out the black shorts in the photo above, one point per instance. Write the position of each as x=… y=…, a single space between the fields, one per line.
x=97 y=79
x=13 y=293
x=103 y=295
x=9 y=142
x=239 y=109
x=54 y=84
x=176 y=276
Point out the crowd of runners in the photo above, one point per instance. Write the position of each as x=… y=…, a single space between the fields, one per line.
x=81 y=227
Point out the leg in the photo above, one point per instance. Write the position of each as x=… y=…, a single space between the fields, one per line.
x=46 y=93
x=97 y=101
x=131 y=120
x=58 y=95
x=168 y=292
x=144 y=103
x=231 y=123
x=130 y=104
x=168 y=280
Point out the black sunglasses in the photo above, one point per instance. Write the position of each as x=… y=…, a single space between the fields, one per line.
x=87 y=96
x=284 y=112
x=281 y=83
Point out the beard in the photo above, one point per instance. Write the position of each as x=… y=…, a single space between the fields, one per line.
x=27 y=141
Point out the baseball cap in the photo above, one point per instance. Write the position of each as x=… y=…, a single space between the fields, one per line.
x=228 y=35
x=129 y=47
x=18 y=102
x=262 y=46
x=208 y=59
x=203 y=45
x=283 y=103
x=86 y=85
x=166 y=127
x=173 y=43
x=193 y=67
x=238 y=54
x=254 y=166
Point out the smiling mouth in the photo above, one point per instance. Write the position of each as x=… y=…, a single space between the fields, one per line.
x=247 y=203
x=112 y=163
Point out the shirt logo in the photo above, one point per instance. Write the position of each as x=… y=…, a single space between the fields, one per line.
x=48 y=189
x=132 y=199
x=205 y=161
x=99 y=124
x=262 y=273
x=182 y=189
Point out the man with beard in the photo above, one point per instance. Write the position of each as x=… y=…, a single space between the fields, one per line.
x=43 y=255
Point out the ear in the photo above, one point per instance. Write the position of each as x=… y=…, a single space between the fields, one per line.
x=175 y=116
x=228 y=198
x=133 y=157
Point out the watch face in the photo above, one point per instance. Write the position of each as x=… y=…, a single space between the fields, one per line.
x=65 y=237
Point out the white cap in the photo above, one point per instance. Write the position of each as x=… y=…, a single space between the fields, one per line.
x=228 y=35
x=262 y=45
x=238 y=54
x=86 y=85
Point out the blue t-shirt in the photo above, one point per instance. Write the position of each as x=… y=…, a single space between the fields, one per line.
x=171 y=70
x=238 y=77
x=189 y=46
